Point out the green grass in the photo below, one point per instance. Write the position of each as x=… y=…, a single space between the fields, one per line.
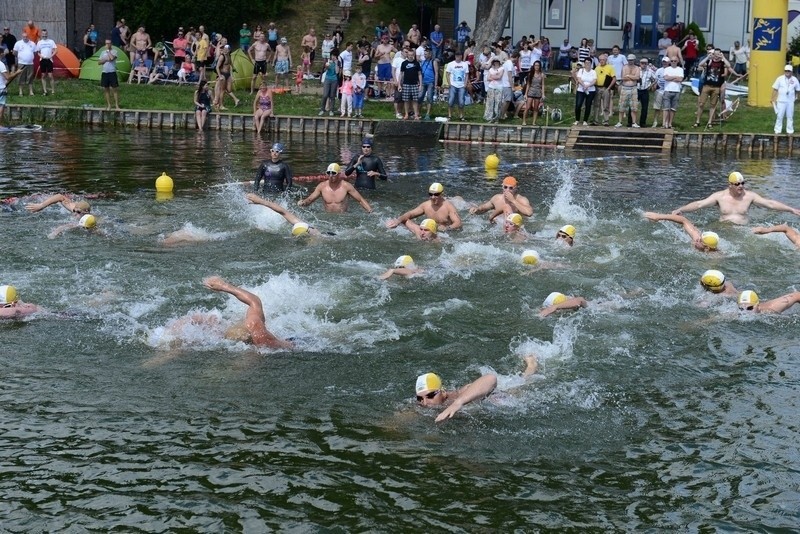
x=77 y=93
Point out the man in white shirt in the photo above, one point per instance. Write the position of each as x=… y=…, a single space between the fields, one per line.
x=457 y=75
x=46 y=48
x=784 y=93
x=563 y=55
x=739 y=55
x=617 y=60
x=346 y=57
x=509 y=71
x=24 y=51
x=397 y=80
x=673 y=76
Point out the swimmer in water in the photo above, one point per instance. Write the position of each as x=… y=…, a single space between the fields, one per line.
x=298 y=227
x=791 y=233
x=704 y=242
x=437 y=207
x=714 y=281
x=425 y=231
x=430 y=392
x=13 y=308
x=78 y=208
x=403 y=266
x=507 y=202
x=566 y=234
x=749 y=301
x=512 y=227
x=87 y=222
x=275 y=173
x=558 y=301
x=734 y=202
x=334 y=192
x=254 y=320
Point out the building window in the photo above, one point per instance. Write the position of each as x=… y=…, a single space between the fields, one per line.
x=555 y=14
x=701 y=14
x=611 y=15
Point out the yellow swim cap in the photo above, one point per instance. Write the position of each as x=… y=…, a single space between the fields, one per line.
x=530 y=257
x=747 y=298
x=404 y=261
x=88 y=221
x=735 y=177
x=428 y=382
x=8 y=294
x=515 y=219
x=554 y=298
x=436 y=187
x=568 y=229
x=713 y=281
x=430 y=225
x=710 y=239
x=333 y=168
x=299 y=229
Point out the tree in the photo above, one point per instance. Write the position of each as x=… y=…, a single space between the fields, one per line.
x=491 y=16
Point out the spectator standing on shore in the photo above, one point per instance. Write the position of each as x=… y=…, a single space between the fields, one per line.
x=5 y=78
x=630 y=75
x=108 y=77
x=47 y=50
x=272 y=38
x=224 y=77
x=663 y=43
x=739 y=55
x=673 y=77
x=259 y=53
x=606 y=80
x=330 y=84
x=585 y=82
x=457 y=74
x=690 y=51
x=784 y=94
x=359 y=88
x=436 y=41
x=89 y=41
x=714 y=77
x=430 y=76
x=283 y=63
x=24 y=51
x=116 y=36
x=462 y=35
x=411 y=73
x=7 y=43
x=534 y=91
x=395 y=34
x=310 y=40
x=200 y=53
x=245 y=35
x=180 y=44
x=646 y=83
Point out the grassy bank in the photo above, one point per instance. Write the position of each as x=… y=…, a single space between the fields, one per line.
x=79 y=93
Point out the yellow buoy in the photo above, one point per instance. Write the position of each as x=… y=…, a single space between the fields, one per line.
x=164 y=183
x=491 y=174
x=162 y=196
x=492 y=162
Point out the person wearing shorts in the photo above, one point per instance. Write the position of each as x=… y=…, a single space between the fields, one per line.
x=673 y=76
x=108 y=77
x=411 y=73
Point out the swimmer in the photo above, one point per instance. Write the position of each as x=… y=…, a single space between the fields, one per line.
x=749 y=301
x=512 y=227
x=87 y=222
x=531 y=259
x=437 y=207
x=566 y=234
x=714 y=281
x=425 y=231
x=791 y=233
x=254 y=320
x=704 y=242
x=10 y=305
x=276 y=173
x=367 y=167
x=735 y=201
x=507 y=202
x=78 y=208
x=334 y=192
x=431 y=393
x=558 y=301
x=298 y=227
x=403 y=266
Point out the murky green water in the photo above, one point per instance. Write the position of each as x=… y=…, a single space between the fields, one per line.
x=656 y=407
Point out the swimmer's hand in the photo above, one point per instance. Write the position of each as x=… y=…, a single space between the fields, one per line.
x=215 y=283
x=449 y=412
x=392 y=223
x=33 y=208
x=252 y=198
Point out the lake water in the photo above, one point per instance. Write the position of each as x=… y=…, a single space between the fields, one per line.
x=657 y=407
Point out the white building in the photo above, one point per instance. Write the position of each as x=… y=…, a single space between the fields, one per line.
x=722 y=21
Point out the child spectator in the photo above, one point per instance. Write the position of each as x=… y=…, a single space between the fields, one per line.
x=359 y=88
x=306 y=61
x=298 y=80
x=347 y=94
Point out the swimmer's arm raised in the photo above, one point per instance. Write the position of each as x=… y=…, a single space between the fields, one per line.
x=571 y=303
x=471 y=392
x=698 y=204
x=486 y=206
x=780 y=304
x=55 y=199
x=291 y=218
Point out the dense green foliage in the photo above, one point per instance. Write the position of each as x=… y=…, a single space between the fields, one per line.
x=162 y=17
x=700 y=37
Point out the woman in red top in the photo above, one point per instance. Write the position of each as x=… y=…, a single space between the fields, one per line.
x=690 y=53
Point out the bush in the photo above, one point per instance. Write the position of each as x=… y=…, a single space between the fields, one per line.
x=794 y=45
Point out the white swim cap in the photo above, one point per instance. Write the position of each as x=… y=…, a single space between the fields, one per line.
x=299 y=229
x=88 y=221
x=710 y=239
x=8 y=295
x=404 y=261
x=428 y=382
x=713 y=281
x=530 y=257
x=554 y=298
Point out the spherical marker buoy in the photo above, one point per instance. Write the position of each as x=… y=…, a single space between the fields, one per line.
x=492 y=162
x=491 y=174
x=164 y=183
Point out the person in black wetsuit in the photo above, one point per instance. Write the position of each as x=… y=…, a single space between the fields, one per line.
x=276 y=173
x=366 y=166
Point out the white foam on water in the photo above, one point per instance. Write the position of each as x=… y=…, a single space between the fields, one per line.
x=467 y=258
x=566 y=208
x=447 y=307
x=189 y=233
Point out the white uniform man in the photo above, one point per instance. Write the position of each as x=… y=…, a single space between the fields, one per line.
x=46 y=48
x=784 y=93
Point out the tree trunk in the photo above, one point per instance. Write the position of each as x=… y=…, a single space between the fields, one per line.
x=490 y=19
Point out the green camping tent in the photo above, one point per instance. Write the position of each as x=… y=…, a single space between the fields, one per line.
x=242 y=69
x=91 y=69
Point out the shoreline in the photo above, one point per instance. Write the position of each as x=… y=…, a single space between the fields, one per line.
x=555 y=137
